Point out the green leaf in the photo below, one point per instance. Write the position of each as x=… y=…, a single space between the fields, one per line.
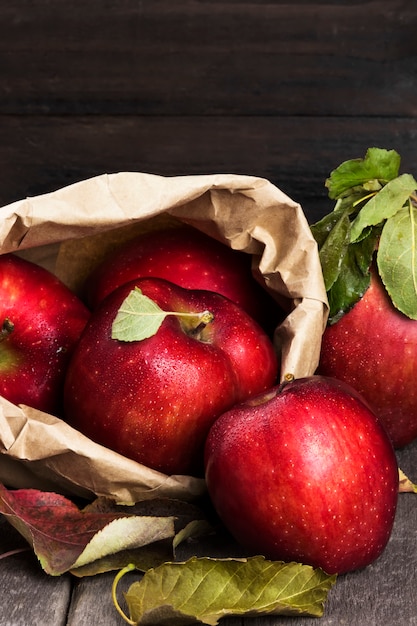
x=371 y=198
x=138 y=318
x=384 y=205
x=378 y=165
x=354 y=276
x=397 y=260
x=332 y=234
x=203 y=590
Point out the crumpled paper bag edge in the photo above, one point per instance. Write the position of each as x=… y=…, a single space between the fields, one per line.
x=48 y=219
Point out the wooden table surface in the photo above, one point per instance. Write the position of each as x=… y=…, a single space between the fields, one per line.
x=383 y=594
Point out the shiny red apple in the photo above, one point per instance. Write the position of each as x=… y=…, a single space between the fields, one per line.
x=373 y=347
x=191 y=259
x=154 y=399
x=41 y=320
x=305 y=472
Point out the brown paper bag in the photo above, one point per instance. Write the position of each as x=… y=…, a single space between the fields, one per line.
x=69 y=230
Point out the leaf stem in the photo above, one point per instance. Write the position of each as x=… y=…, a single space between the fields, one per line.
x=13 y=552
x=413 y=244
x=118 y=577
x=369 y=195
x=205 y=317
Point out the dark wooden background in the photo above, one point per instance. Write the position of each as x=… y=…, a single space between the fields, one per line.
x=284 y=90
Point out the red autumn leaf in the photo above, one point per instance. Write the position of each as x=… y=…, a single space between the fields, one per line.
x=101 y=537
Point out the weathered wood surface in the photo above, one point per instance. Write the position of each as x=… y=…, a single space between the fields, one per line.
x=296 y=154
x=208 y=58
x=284 y=90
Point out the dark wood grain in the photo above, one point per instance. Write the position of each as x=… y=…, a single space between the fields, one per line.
x=296 y=154
x=200 y=58
x=281 y=90
x=28 y=595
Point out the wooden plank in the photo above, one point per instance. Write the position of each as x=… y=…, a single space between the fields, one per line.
x=29 y=596
x=200 y=58
x=92 y=602
x=39 y=154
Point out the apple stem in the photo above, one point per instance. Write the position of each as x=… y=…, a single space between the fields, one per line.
x=288 y=378
x=203 y=318
x=6 y=329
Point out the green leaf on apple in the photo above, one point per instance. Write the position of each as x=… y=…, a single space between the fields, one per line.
x=353 y=278
x=397 y=263
x=203 y=590
x=140 y=317
x=375 y=211
x=333 y=236
x=345 y=264
x=377 y=166
x=384 y=205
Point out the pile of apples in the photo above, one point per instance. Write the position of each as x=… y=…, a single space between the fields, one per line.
x=168 y=358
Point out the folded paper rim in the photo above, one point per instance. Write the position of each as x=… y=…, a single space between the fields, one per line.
x=247 y=213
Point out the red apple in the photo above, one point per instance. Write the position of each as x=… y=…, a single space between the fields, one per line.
x=367 y=252
x=305 y=472
x=191 y=259
x=154 y=400
x=41 y=322
x=373 y=347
